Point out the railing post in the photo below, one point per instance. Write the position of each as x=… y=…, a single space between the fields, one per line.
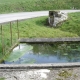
x=2 y=41
x=11 y=32
x=18 y=32
x=18 y=29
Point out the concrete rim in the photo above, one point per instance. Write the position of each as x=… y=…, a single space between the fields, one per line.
x=33 y=40
x=39 y=66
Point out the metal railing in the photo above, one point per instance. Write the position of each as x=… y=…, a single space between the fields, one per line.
x=2 y=37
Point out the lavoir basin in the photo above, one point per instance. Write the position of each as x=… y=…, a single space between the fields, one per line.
x=40 y=53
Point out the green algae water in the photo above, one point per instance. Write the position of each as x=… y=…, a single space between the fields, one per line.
x=45 y=53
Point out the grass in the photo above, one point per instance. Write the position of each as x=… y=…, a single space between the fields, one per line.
x=2 y=78
x=72 y=24
x=65 y=74
x=7 y=6
x=39 y=28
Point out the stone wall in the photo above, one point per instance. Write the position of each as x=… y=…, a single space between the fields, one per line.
x=56 y=17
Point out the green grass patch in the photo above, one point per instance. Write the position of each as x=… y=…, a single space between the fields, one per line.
x=65 y=74
x=37 y=28
x=72 y=25
x=36 y=5
x=2 y=78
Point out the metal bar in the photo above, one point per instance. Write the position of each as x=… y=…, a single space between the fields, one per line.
x=2 y=40
x=18 y=32
x=11 y=32
x=18 y=29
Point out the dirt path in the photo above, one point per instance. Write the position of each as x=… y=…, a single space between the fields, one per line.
x=42 y=74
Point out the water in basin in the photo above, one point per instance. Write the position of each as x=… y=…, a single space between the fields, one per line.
x=47 y=53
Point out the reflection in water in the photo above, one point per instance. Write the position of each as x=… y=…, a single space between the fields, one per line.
x=50 y=53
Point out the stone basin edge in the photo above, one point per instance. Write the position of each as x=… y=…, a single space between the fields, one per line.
x=40 y=66
x=67 y=39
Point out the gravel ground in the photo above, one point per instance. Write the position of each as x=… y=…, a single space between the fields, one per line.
x=41 y=74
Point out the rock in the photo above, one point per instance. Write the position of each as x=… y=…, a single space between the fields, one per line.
x=11 y=78
x=56 y=17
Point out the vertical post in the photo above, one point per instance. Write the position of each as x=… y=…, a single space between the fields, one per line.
x=11 y=32
x=2 y=40
x=17 y=29
x=18 y=32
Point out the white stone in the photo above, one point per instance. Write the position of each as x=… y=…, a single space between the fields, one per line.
x=62 y=18
x=11 y=78
x=42 y=73
x=57 y=20
x=43 y=70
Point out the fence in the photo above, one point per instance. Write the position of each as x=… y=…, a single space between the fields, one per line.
x=3 y=45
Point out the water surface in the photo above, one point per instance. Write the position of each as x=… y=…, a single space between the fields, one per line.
x=48 y=53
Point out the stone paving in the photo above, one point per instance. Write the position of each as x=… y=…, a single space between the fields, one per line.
x=41 y=74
